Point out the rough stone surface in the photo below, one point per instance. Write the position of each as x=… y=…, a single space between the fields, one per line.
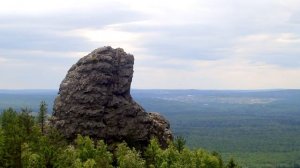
x=94 y=99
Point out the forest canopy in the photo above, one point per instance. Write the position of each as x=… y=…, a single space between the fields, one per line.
x=28 y=141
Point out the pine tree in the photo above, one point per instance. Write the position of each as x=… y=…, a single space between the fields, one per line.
x=26 y=121
x=232 y=164
x=13 y=138
x=179 y=143
x=219 y=157
x=128 y=158
x=42 y=116
x=153 y=154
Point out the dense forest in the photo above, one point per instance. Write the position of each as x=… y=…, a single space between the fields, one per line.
x=29 y=141
x=259 y=128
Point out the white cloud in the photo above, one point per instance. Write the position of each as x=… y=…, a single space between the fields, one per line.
x=32 y=7
x=221 y=74
x=2 y=60
x=25 y=55
x=110 y=36
x=279 y=49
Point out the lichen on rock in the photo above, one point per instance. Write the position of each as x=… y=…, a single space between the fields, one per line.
x=94 y=99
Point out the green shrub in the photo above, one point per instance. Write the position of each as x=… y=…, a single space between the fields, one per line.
x=22 y=144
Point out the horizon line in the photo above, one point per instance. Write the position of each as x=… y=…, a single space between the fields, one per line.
x=268 y=89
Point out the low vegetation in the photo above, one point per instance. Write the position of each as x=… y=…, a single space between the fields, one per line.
x=27 y=141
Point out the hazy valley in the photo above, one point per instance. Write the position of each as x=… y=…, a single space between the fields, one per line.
x=258 y=128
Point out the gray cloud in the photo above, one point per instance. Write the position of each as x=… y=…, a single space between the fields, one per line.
x=32 y=38
x=219 y=40
x=48 y=32
x=73 y=19
x=214 y=33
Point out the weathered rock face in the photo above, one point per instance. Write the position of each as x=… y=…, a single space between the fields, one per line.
x=94 y=99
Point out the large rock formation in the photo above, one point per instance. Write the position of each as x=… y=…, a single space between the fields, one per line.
x=94 y=99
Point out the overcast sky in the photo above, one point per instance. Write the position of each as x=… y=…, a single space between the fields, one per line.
x=186 y=44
